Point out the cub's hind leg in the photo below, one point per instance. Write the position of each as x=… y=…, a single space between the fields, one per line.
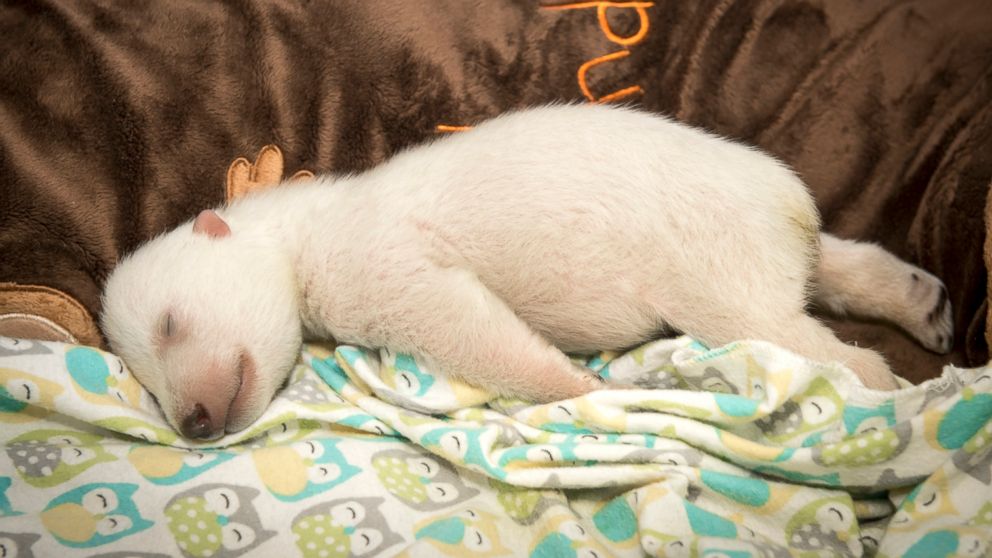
x=763 y=296
x=867 y=281
x=801 y=333
x=806 y=336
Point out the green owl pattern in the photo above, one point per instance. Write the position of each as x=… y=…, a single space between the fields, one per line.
x=420 y=480
x=742 y=450
x=343 y=528
x=215 y=520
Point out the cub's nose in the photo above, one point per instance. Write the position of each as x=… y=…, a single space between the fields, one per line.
x=197 y=424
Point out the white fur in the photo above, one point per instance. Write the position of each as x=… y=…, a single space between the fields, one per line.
x=578 y=227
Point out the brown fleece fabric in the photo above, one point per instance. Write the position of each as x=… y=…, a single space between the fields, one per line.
x=119 y=120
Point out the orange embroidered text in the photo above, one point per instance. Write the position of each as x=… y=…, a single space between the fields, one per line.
x=644 y=25
x=447 y=128
x=625 y=42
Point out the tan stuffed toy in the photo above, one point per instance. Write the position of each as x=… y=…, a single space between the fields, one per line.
x=244 y=177
x=38 y=312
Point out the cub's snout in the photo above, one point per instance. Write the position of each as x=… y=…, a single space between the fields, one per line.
x=217 y=399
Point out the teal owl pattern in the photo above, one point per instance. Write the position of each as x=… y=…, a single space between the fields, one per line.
x=94 y=514
x=6 y=508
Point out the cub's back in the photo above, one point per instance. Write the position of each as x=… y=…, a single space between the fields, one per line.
x=588 y=176
x=564 y=206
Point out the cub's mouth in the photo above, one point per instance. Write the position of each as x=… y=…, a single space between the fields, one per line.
x=240 y=407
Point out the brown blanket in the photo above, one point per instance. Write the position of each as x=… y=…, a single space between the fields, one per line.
x=118 y=121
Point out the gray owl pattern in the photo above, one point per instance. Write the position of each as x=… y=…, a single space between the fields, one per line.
x=17 y=545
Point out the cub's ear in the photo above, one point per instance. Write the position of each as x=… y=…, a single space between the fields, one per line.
x=210 y=224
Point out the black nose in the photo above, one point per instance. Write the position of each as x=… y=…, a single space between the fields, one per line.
x=197 y=424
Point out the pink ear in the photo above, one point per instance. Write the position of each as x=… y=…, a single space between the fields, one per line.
x=210 y=224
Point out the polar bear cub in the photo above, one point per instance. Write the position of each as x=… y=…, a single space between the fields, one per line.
x=492 y=253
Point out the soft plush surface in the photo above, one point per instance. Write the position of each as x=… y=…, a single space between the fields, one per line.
x=744 y=450
x=118 y=121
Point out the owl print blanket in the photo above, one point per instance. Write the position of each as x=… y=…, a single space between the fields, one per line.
x=743 y=450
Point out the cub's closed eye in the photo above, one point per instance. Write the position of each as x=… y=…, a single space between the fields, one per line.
x=168 y=326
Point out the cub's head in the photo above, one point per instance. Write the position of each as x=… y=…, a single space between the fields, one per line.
x=207 y=319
